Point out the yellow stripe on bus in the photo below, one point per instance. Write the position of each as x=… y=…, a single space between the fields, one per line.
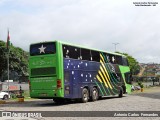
x=99 y=78
x=106 y=77
x=102 y=58
x=105 y=70
x=103 y=78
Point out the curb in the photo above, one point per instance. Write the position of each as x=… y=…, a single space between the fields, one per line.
x=18 y=101
x=2 y=102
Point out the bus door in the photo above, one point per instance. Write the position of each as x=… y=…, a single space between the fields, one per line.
x=71 y=78
x=67 y=84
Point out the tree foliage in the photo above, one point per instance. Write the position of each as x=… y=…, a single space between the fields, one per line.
x=18 y=62
x=133 y=63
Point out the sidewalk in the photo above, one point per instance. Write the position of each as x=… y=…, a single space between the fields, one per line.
x=152 y=92
x=148 y=90
x=11 y=101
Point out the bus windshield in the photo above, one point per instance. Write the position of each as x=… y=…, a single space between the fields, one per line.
x=43 y=48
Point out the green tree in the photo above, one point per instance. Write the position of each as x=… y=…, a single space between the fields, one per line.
x=3 y=58
x=18 y=64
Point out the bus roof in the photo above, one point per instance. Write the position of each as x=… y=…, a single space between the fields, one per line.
x=66 y=43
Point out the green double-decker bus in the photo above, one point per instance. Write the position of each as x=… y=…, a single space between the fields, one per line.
x=62 y=71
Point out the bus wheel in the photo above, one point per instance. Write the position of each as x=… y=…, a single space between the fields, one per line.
x=5 y=97
x=85 y=95
x=94 y=94
x=121 y=92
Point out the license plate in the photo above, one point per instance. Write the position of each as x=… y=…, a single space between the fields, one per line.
x=43 y=94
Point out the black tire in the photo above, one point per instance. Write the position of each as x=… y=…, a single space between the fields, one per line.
x=124 y=89
x=100 y=98
x=95 y=94
x=5 y=97
x=85 y=95
x=121 y=93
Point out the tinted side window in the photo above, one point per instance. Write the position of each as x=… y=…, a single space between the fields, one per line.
x=119 y=60
x=114 y=59
x=85 y=54
x=71 y=52
x=95 y=56
x=125 y=61
x=111 y=58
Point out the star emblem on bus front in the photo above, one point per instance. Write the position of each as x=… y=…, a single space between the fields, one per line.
x=42 y=49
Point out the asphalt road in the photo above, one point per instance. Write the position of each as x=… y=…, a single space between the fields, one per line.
x=147 y=101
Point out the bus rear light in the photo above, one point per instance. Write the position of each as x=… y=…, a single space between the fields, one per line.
x=59 y=85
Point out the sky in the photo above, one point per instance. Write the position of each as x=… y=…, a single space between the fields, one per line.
x=91 y=23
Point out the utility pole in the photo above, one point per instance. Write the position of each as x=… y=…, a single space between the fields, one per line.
x=8 y=50
x=115 y=44
x=8 y=69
